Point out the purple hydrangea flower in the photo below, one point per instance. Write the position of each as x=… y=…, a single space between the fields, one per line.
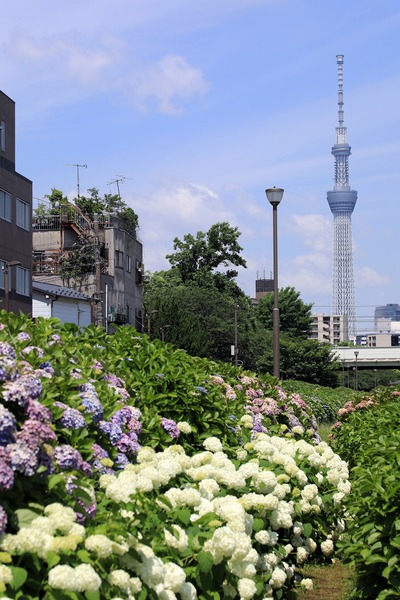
x=3 y=520
x=37 y=411
x=33 y=433
x=257 y=423
x=6 y=476
x=67 y=458
x=22 y=389
x=22 y=336
x=128 y=444
x=7 y=368
x=122 y=460
x=7 y=350
x=170 y=427
x=22 y=458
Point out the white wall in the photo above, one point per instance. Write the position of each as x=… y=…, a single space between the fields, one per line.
x=66 y=309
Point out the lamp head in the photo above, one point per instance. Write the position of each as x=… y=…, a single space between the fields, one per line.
x=274 y=195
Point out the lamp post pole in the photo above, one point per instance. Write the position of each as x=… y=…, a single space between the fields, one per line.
x=274 y=196
x=6 y=269
x=356 y=373
x=236 y=335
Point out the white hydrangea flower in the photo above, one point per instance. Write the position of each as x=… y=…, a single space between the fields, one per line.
x=265 y=481
x=145 y=454
x=307 y=583
x=178 y=539
x=100 y=545
x=247 y=589
x=278 y=578
x=212 y=444
x=327 y=548
x=309 y=492
x=135 y=585
x=174 y=577
x=302 y=555
x=188 y=591
x=264 y=537
x=119 y=578
x=209 y=488
x=6 y=575
x=184 y=427
x=241 y=454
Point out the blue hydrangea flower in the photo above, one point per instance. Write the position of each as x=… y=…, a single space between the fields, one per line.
x=72 y=419
x=113 y=431
x=22 y=458
x=8 y=424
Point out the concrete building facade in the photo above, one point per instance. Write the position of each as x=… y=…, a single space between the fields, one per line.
x=97 y=257
x=15 y=220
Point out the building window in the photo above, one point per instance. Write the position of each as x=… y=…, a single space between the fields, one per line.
x=119 y=259
x=5 y=205
x=22 y=281
x=128 y=263
x=23 y=215
x=2 y=136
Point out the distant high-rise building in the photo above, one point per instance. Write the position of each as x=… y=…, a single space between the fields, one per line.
x=342 y=200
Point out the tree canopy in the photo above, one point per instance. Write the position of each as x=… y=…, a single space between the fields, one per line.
x=294 y=315
x=202 y=254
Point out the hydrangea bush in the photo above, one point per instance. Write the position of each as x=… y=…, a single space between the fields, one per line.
x=367 y=436
x=129 y=469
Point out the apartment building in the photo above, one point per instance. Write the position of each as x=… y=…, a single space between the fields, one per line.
x=15 y=220
x=329 y=329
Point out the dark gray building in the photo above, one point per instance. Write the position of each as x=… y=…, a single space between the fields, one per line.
x=15 y=220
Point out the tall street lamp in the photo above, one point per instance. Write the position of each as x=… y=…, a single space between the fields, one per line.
x=356 y=372
x=274 y=196
x=6 y=267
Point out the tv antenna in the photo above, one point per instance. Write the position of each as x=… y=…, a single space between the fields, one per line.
x=120 y=179
x=77 y=174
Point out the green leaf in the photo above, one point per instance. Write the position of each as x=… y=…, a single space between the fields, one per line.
x=19 y=577
x=205 y=561
x=307 y=530
x=258 y=524
x=25 y=516
x=52 y=559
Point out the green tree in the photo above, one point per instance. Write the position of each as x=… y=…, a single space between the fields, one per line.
x=294 y=315
x=304 y=360
x=200 y=318
x=201 y=255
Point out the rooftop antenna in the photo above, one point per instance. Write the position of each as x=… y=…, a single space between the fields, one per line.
x=120 y=179
x=77 y=174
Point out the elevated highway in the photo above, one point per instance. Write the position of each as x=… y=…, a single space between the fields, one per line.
x=368 y=358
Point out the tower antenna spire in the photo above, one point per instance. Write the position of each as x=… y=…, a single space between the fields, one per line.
x=342 y=200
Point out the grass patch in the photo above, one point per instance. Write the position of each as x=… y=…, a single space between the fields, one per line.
x=331 y=582
x=324 y=430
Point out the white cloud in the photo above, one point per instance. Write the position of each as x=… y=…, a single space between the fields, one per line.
x=166 y=83
x=368 y=277
x=315 y=231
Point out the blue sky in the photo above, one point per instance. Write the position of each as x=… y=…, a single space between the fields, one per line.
x=200 y=106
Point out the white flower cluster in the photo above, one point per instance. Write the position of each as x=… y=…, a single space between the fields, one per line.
x=82 y=578
x=56 y=532
x=278 y=499
x=272 y=487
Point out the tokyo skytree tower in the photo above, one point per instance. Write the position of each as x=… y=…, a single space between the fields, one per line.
x=342 y=200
